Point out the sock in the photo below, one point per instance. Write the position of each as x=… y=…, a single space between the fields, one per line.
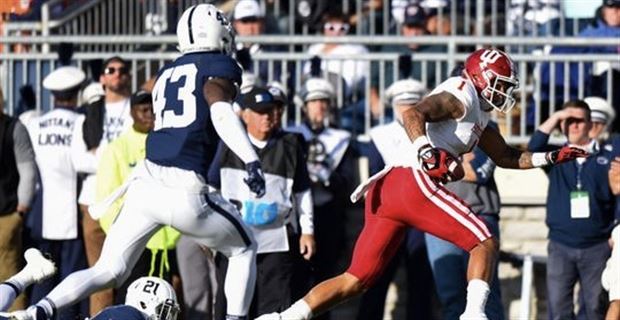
x=46 y=306
x=300 y=310
x=231 y=317
x=477 y=293
x=8 y=292
x=19 y=280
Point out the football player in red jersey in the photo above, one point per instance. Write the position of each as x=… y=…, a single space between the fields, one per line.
x=450 y=121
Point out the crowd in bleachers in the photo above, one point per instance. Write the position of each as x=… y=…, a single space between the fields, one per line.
x=106 y=137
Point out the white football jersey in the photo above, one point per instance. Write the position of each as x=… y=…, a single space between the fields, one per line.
x=52 y=136
x=459 y=136
x=394 y=145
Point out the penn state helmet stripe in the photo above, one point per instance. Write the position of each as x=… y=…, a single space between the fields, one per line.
x=189 y=25
x=229 y=217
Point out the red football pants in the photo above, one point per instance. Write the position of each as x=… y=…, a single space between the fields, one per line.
x=404 y=198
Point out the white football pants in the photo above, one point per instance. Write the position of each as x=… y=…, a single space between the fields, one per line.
x=160 y=196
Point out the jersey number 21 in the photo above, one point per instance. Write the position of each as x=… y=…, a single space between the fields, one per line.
x=168 y=118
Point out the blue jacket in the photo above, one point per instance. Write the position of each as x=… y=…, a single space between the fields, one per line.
x=578 y=233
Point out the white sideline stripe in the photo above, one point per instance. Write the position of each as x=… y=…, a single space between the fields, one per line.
x=466 y=210
x=462 y=220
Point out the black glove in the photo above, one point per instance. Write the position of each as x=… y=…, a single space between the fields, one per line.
x=255 y=179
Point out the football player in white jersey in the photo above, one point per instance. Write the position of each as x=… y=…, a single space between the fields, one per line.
x=192 y=105
x=448 y=122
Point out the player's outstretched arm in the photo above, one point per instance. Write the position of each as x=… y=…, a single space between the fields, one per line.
x=219 y=93
x=506 y=156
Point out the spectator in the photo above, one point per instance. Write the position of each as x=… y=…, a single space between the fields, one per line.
x=105 y=119
x=414 y=25
x=534 y=18
x=281 y=221
x=606 y=24
x=330 y=165
x=17 y=183
x=336 y=24
x=249 y=20
x=387 y=143
x=54 y=221
x=602 y=115
x=580 y=208
x=115 y=166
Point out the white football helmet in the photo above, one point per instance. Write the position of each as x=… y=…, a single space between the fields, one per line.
x=154 y=297
x=204 y=27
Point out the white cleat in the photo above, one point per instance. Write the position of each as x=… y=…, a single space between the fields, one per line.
x=270 y=316
x=473 y=316
x=37 y=266
x=28 y=314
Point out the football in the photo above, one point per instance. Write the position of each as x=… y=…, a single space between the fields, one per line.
x=440 y=164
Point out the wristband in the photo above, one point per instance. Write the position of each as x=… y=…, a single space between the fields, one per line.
x=419 y=142
x=539 y=159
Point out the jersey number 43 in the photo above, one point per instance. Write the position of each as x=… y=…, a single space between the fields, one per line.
x=168 y=118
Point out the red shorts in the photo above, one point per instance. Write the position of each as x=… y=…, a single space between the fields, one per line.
x=404 y=198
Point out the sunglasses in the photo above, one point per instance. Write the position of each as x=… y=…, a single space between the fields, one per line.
x=343 y=27
x=112 y=70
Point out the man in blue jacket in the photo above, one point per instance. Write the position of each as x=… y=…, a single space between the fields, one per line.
x=580 y=214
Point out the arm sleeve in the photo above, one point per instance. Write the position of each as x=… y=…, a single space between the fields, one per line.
x=26 y=166
x=230 y=129
x=303 y=203
x=83 y=160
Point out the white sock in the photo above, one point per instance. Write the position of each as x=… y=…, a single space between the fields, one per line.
x=21 y=280
x=8 y=292
x=300 y=310
x=477 y=293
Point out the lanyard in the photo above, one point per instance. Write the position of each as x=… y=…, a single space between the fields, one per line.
x=579 y=167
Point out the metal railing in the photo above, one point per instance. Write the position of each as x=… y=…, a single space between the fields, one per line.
x=18 y=69
x=138 y=17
